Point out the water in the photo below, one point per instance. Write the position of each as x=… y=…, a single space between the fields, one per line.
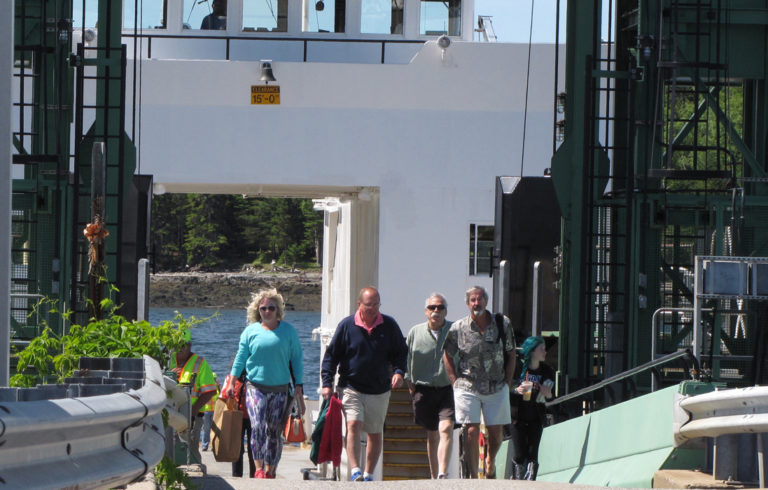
x=216 y=339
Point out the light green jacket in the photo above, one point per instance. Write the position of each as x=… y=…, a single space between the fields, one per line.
x=425 y=356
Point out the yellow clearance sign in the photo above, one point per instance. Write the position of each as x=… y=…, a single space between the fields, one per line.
x=265 y=95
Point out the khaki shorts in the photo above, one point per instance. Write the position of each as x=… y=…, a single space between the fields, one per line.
x=494 y=408
x=371 y=410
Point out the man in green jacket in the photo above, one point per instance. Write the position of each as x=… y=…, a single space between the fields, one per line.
x=429 y=385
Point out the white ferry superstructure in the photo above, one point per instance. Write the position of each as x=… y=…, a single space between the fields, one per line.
x=399 y=138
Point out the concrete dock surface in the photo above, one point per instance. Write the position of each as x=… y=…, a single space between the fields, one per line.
x=218 y=476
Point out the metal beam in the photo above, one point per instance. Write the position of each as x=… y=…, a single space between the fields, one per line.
x=6 y=64
x=691 y=122
x=570 y=166
x=736 y=139
x=736 y=16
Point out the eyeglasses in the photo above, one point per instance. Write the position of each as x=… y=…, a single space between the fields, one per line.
x=436 y=307
x=267 y=308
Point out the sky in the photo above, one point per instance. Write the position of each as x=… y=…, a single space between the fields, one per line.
x=512 y=19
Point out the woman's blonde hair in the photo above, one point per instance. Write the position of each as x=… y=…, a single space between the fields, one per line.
x=254 y=315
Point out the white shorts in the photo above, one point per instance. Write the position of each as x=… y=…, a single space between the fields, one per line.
x=494 y=408
x=371 y=410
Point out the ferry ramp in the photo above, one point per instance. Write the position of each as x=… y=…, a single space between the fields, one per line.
x=294 y=459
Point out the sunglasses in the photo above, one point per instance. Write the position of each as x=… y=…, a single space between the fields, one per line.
x=436 y=307
x=267 y=308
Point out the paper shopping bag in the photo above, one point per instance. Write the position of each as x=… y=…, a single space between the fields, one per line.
x=226 y=431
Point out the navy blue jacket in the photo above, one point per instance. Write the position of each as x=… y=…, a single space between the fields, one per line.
x=364 y=360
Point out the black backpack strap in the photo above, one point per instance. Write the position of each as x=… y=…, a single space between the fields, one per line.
x=502 y=334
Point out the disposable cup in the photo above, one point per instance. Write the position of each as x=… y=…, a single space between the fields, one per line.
x=527 y=388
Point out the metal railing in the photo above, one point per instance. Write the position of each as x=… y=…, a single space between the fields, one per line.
x=650 y=365
x=86 y=442
x=305 y=42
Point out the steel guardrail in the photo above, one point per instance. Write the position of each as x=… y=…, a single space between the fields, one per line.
x=731 y=411
x=100 y=441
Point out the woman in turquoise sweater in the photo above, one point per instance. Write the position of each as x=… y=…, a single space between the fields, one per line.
x=270 y=352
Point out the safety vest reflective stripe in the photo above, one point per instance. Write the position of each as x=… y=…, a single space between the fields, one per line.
x=194 y=389
x=209 y=407
x=187 y=375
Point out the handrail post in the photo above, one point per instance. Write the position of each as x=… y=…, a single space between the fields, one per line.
x=698 y=282
x=655 y=332
x=536 y=306
x=761 y=460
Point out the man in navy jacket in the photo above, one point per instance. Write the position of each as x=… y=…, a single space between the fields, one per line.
x=370 y=353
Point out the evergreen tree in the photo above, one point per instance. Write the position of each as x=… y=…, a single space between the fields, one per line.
x=212 y=233
x=286 y=229
x=254 y=218
x=313 y=231
x=222 y=231
x=168 y=231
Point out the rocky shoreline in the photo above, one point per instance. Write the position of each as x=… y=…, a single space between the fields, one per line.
x=231 y=290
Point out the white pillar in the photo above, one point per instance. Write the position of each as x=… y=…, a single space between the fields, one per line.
x=174 y=22
x=297 y=16
x=352 y=21
x=411 y=16
x=364 y=242
x=304 y=15
x=468 y=20
x=6 y=64
x=234 y=18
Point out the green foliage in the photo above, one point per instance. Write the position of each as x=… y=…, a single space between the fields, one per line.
x=716 y=149
x=219 y=231
x=211 y=229
x=49 y=356
x=262 y=259
x=168 y=230
x=291 y=254
x=168 y=476
x=313 y=230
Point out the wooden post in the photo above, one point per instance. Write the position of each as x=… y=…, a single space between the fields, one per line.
x=96 y=232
